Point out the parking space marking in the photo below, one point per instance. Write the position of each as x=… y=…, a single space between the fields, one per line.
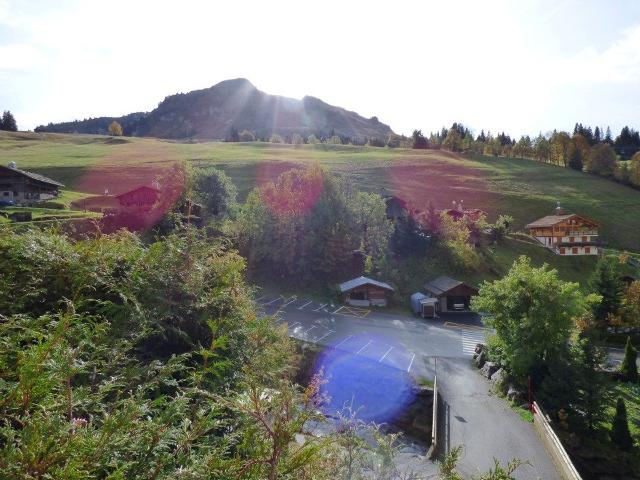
x=258 y=299
x=343 y=340
x=364 y=346
x=352 y=311
x=274 y=300
x=463 y=325
x=411 y=362
x=289 y=300
x=321 y=307
x=385 y=354
x=294 y=324
x=302 y=306
x=309 y=329
x=324 y=336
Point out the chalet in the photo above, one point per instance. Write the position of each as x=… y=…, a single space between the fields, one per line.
x=566 y=234
x=140 y=199
x=453 y=295
x=365 y=292
x=25 y=187
x=458 y=212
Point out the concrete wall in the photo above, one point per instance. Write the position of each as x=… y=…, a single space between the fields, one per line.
x=434 y=425
x=554 y=447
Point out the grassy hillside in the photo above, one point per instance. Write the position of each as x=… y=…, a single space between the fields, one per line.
x=522 y=188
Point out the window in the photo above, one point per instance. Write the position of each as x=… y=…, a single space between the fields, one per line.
x=585 y=239
x=562 y=250
x=572 y=239
x=587 y=250
x=574 y=250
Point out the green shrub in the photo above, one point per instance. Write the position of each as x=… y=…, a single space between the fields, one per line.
x=620 y=434
x=629 y=367
x=52 y=204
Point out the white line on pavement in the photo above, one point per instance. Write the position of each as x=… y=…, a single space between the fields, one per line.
x=274 y=300
x=295 y=323
x=343 y=340
x=386 y=353
x=411 y=362
x=289 y=302
x=336 y=310
x=302 y=306
x=324 y=336
x=321 y=307
x=364 y=346
x=258 y=299
x=309 y=329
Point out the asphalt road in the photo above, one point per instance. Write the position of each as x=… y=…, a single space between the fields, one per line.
x=484 y=424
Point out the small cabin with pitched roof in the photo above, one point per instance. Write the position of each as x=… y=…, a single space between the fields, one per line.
x=365 y=292
x=453 y=295
x=566 y=233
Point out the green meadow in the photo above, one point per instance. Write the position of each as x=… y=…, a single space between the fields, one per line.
x=524 y=189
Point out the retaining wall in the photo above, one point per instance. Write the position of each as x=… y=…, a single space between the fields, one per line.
x=551 y=442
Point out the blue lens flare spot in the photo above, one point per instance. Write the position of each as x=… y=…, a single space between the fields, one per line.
x=358 y=378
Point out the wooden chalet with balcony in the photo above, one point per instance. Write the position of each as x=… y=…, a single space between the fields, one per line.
x=566 y=234
x=26 y=188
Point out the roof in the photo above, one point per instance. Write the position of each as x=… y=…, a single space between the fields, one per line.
x=551 y=220
x=143 y=187
x=444 y=284
x=33 y=176
x=358 y=282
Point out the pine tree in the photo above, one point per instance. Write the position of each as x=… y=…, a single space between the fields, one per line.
x=629 y=368
x=608 y=137
x=620 y=434
x=575 y=159
x=8 y=122
x=606 y=282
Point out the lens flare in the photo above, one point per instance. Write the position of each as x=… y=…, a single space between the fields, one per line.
x=375 y=390
x=295 y=191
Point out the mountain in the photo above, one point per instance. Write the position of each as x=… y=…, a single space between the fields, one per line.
x=211 y=113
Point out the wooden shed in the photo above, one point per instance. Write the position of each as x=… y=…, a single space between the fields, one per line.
x=365 y=292
x=453 y=295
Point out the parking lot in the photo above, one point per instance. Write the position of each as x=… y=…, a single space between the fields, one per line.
x=400 y=341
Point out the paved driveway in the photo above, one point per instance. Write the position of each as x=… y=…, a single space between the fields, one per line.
x=471 y=416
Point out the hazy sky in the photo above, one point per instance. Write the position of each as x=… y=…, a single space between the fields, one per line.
x=521 y=67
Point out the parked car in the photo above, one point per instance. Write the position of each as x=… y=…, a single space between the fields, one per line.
x=7 y=203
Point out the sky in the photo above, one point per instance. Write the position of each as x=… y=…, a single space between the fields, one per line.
x=522 y=67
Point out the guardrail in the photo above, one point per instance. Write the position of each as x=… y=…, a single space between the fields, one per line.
x=552 y=443
x=434 y=423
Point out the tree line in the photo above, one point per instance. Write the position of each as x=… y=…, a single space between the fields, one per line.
x=586 y=149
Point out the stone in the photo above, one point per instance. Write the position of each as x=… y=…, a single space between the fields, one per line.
x=498 y=377
x=479 y=347
x=488 y=369
x=480 y=361
x=513 y=393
